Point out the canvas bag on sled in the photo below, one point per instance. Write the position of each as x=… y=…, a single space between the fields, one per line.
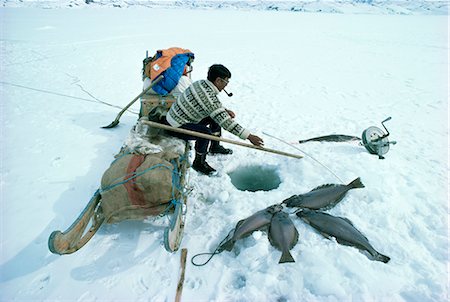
x=137 y=186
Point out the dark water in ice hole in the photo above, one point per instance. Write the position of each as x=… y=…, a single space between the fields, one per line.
x=255 y=178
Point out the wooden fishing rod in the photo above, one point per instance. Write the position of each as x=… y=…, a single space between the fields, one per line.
x=220 y=139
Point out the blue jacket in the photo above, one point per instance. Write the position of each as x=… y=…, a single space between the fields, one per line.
x=172 y=74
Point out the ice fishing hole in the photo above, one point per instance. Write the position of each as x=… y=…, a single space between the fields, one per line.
x=255 y=178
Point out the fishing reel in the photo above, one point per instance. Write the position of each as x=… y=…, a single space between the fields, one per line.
x=376 y=141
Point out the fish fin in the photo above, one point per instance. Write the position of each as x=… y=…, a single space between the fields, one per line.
x=326 y=235
x=347 y=243
x=286 y=257
x=294 y=242
x=382 y=258
x=307 y=221
x=323 y=186
x=304 y=212
x=357 y=183
x=354 y=184
x=272 y=242
x=303 y=217
x=334 y=203
x=374 y=255
x=269 y=236
x=349 y=221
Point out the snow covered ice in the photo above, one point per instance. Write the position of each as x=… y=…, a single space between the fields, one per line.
x=295 y=75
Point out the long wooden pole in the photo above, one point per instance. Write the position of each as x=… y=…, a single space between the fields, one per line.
x=220 y=139
x=181 y=280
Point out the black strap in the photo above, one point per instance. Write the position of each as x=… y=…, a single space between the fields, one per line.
x=218 y=250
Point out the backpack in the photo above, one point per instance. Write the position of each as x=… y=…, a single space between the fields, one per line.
x=171 y=63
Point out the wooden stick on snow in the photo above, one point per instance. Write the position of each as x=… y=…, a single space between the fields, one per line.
x=181 y=281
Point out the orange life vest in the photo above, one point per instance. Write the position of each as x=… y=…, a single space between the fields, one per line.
x=162 y=61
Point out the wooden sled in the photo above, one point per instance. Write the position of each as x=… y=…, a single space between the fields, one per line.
x=92 y=217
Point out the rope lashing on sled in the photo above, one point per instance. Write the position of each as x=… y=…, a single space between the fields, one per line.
x=175 y=184
x=176 y=191
x=132 y=176
x=176 y=175
x=119 y=157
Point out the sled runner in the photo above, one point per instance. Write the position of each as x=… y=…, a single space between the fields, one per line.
x=75 y=236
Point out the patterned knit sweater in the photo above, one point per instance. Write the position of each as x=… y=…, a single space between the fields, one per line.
x=200 y=101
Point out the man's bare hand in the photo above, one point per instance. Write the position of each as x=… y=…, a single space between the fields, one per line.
x=256 y=140
x=231 y=113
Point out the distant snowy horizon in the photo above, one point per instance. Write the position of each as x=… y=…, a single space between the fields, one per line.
x=395 y=7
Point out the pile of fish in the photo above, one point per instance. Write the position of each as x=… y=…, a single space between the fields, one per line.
x=282 y=232
x=284 y=236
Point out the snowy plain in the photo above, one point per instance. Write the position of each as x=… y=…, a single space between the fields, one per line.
x=294 y=75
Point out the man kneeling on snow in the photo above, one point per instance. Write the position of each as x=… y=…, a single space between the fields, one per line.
x=199 y=109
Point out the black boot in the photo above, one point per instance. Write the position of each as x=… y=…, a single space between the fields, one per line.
x=200 y=165
x=215 y=148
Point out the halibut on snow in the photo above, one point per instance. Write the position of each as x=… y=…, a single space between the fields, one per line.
x=283 y=235
x=343 y=230
x=323 y=197
x=331 y=138
x=245 y=227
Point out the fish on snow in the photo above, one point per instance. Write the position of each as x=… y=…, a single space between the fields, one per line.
x=323 y=197
x=283 y=235
x=245 y=227
x=331 y=138
x=343 y=230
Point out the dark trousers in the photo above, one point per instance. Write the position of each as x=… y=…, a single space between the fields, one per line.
x=206 y=125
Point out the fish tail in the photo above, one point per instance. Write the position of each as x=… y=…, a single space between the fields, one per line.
x=286 y=257
x=382 y=258
x=304 y=141
x=356 y=183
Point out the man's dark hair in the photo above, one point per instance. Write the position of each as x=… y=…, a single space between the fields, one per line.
x=218 y=71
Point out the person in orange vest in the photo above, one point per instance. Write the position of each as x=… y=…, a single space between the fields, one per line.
x=199 y=109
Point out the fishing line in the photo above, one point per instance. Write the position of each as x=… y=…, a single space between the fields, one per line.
x=67 y=96
x=218 y=250
x=265 y=133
